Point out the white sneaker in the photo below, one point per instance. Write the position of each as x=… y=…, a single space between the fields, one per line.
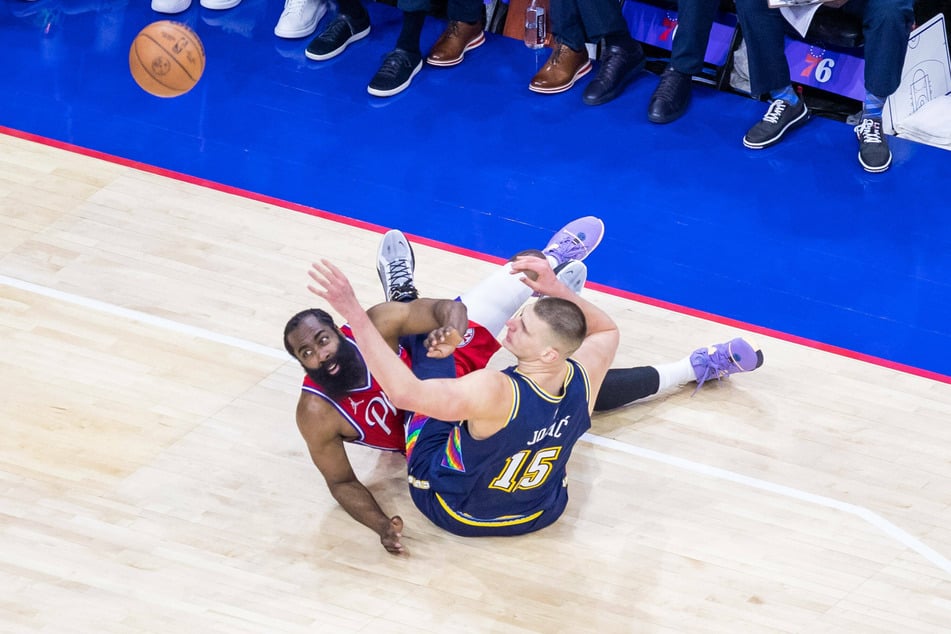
x=300 y=18
x=574 y=274
x=395 y=264
x=220 y=4
x=170 y=6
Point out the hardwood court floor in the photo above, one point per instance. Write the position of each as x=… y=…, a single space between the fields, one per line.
x=152 y=478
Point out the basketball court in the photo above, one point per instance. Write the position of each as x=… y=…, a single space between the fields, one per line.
x=153 y=478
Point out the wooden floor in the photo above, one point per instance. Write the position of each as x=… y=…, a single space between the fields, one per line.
x=152 y=478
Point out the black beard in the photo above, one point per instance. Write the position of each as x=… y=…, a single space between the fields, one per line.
x=351 y=374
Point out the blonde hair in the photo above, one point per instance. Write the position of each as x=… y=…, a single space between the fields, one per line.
x=566 y=321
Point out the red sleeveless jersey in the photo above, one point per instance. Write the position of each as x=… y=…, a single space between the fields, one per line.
x=378 y=423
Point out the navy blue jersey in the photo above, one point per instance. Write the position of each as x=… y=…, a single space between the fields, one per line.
x=512 y=482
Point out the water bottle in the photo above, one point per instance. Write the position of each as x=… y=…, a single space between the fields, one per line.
x=536 y=26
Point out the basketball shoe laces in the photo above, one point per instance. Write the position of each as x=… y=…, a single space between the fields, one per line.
x=667 y=88
x=570 y=247
x=295 y=6
x=401 y=281
x=392 y=64
x=338 y=30
x=613 y=65
x=775 y=111
x=713 y=365
x=870 y=131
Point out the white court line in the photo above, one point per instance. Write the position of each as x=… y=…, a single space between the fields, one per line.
x=145 y=318
x=715 y=472
x=680 y=463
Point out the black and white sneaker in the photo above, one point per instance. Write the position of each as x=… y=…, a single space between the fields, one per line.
x=395 y=74
x=874 y=154
x=395 y=264
x=781 y=117
x=334 y=40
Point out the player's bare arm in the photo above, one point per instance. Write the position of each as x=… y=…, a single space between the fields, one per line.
x=325 y=431
x=597 y=352
x=435 y=316
x=446 y=399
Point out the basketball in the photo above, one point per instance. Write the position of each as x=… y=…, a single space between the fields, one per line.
x=166 y=59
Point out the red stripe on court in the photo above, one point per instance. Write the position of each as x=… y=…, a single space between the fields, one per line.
x=650 y=301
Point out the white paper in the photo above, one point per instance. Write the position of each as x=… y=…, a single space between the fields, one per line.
x=800 y=16
x=925 y=76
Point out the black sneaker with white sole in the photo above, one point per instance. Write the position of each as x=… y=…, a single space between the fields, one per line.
x=781 y=117
x=395 y=74
x=341 y=32
x=874 y=154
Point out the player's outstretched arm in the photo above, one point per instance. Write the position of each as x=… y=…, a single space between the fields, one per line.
x=316 y=421
x=446 y=399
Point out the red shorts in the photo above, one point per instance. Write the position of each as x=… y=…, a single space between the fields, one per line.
x=476 y=349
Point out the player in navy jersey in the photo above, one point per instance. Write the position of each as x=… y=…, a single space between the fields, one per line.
x=488 y=451
x=341 y=401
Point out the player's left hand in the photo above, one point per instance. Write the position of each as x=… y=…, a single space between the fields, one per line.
x=442 y=342
x=537 y=274
x=332 y=285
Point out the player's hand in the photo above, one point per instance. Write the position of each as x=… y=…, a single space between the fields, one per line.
x=332 y=285
x=390 y=538
x=537 y=274
x=442 y=342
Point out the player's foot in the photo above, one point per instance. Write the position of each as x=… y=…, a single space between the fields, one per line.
x=337 y=36
x=300 y=18
x=573 y=273
x=170 y=6
x=220 y=4
x=724 y=359
x=395 y=264
x=576 y=240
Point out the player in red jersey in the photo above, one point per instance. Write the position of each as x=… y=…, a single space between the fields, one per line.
x=341 y=401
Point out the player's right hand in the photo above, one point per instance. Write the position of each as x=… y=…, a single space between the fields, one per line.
x=442 y=342
x=392 y=535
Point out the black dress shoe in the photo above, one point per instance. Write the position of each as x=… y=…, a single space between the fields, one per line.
x=619 y=64
x=671 y=97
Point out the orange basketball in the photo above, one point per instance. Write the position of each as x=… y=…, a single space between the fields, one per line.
x=166 y=59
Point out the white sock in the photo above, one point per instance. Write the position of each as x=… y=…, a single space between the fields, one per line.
x=675 y=374
x=495 y=299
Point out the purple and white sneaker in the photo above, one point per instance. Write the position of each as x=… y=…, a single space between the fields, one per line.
x=724 y=359
x=576 y=240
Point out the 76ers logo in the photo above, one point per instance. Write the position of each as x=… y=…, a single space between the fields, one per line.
x=377 y=411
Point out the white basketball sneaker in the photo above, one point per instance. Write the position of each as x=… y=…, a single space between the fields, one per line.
x=300 y=18
x=395 y=264
x=220 y=4
x=574 y=274
x=170 y=6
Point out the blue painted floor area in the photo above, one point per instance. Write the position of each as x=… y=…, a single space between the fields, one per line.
x=795 y=238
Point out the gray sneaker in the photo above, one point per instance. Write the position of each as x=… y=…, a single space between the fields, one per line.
x=874 y=154
x=395 y=264
x=574 y=274
x=781 y=117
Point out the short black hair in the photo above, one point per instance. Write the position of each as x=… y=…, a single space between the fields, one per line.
x=321 y=316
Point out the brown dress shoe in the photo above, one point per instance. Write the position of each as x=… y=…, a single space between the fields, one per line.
x=561 y=71
x=452 y=45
